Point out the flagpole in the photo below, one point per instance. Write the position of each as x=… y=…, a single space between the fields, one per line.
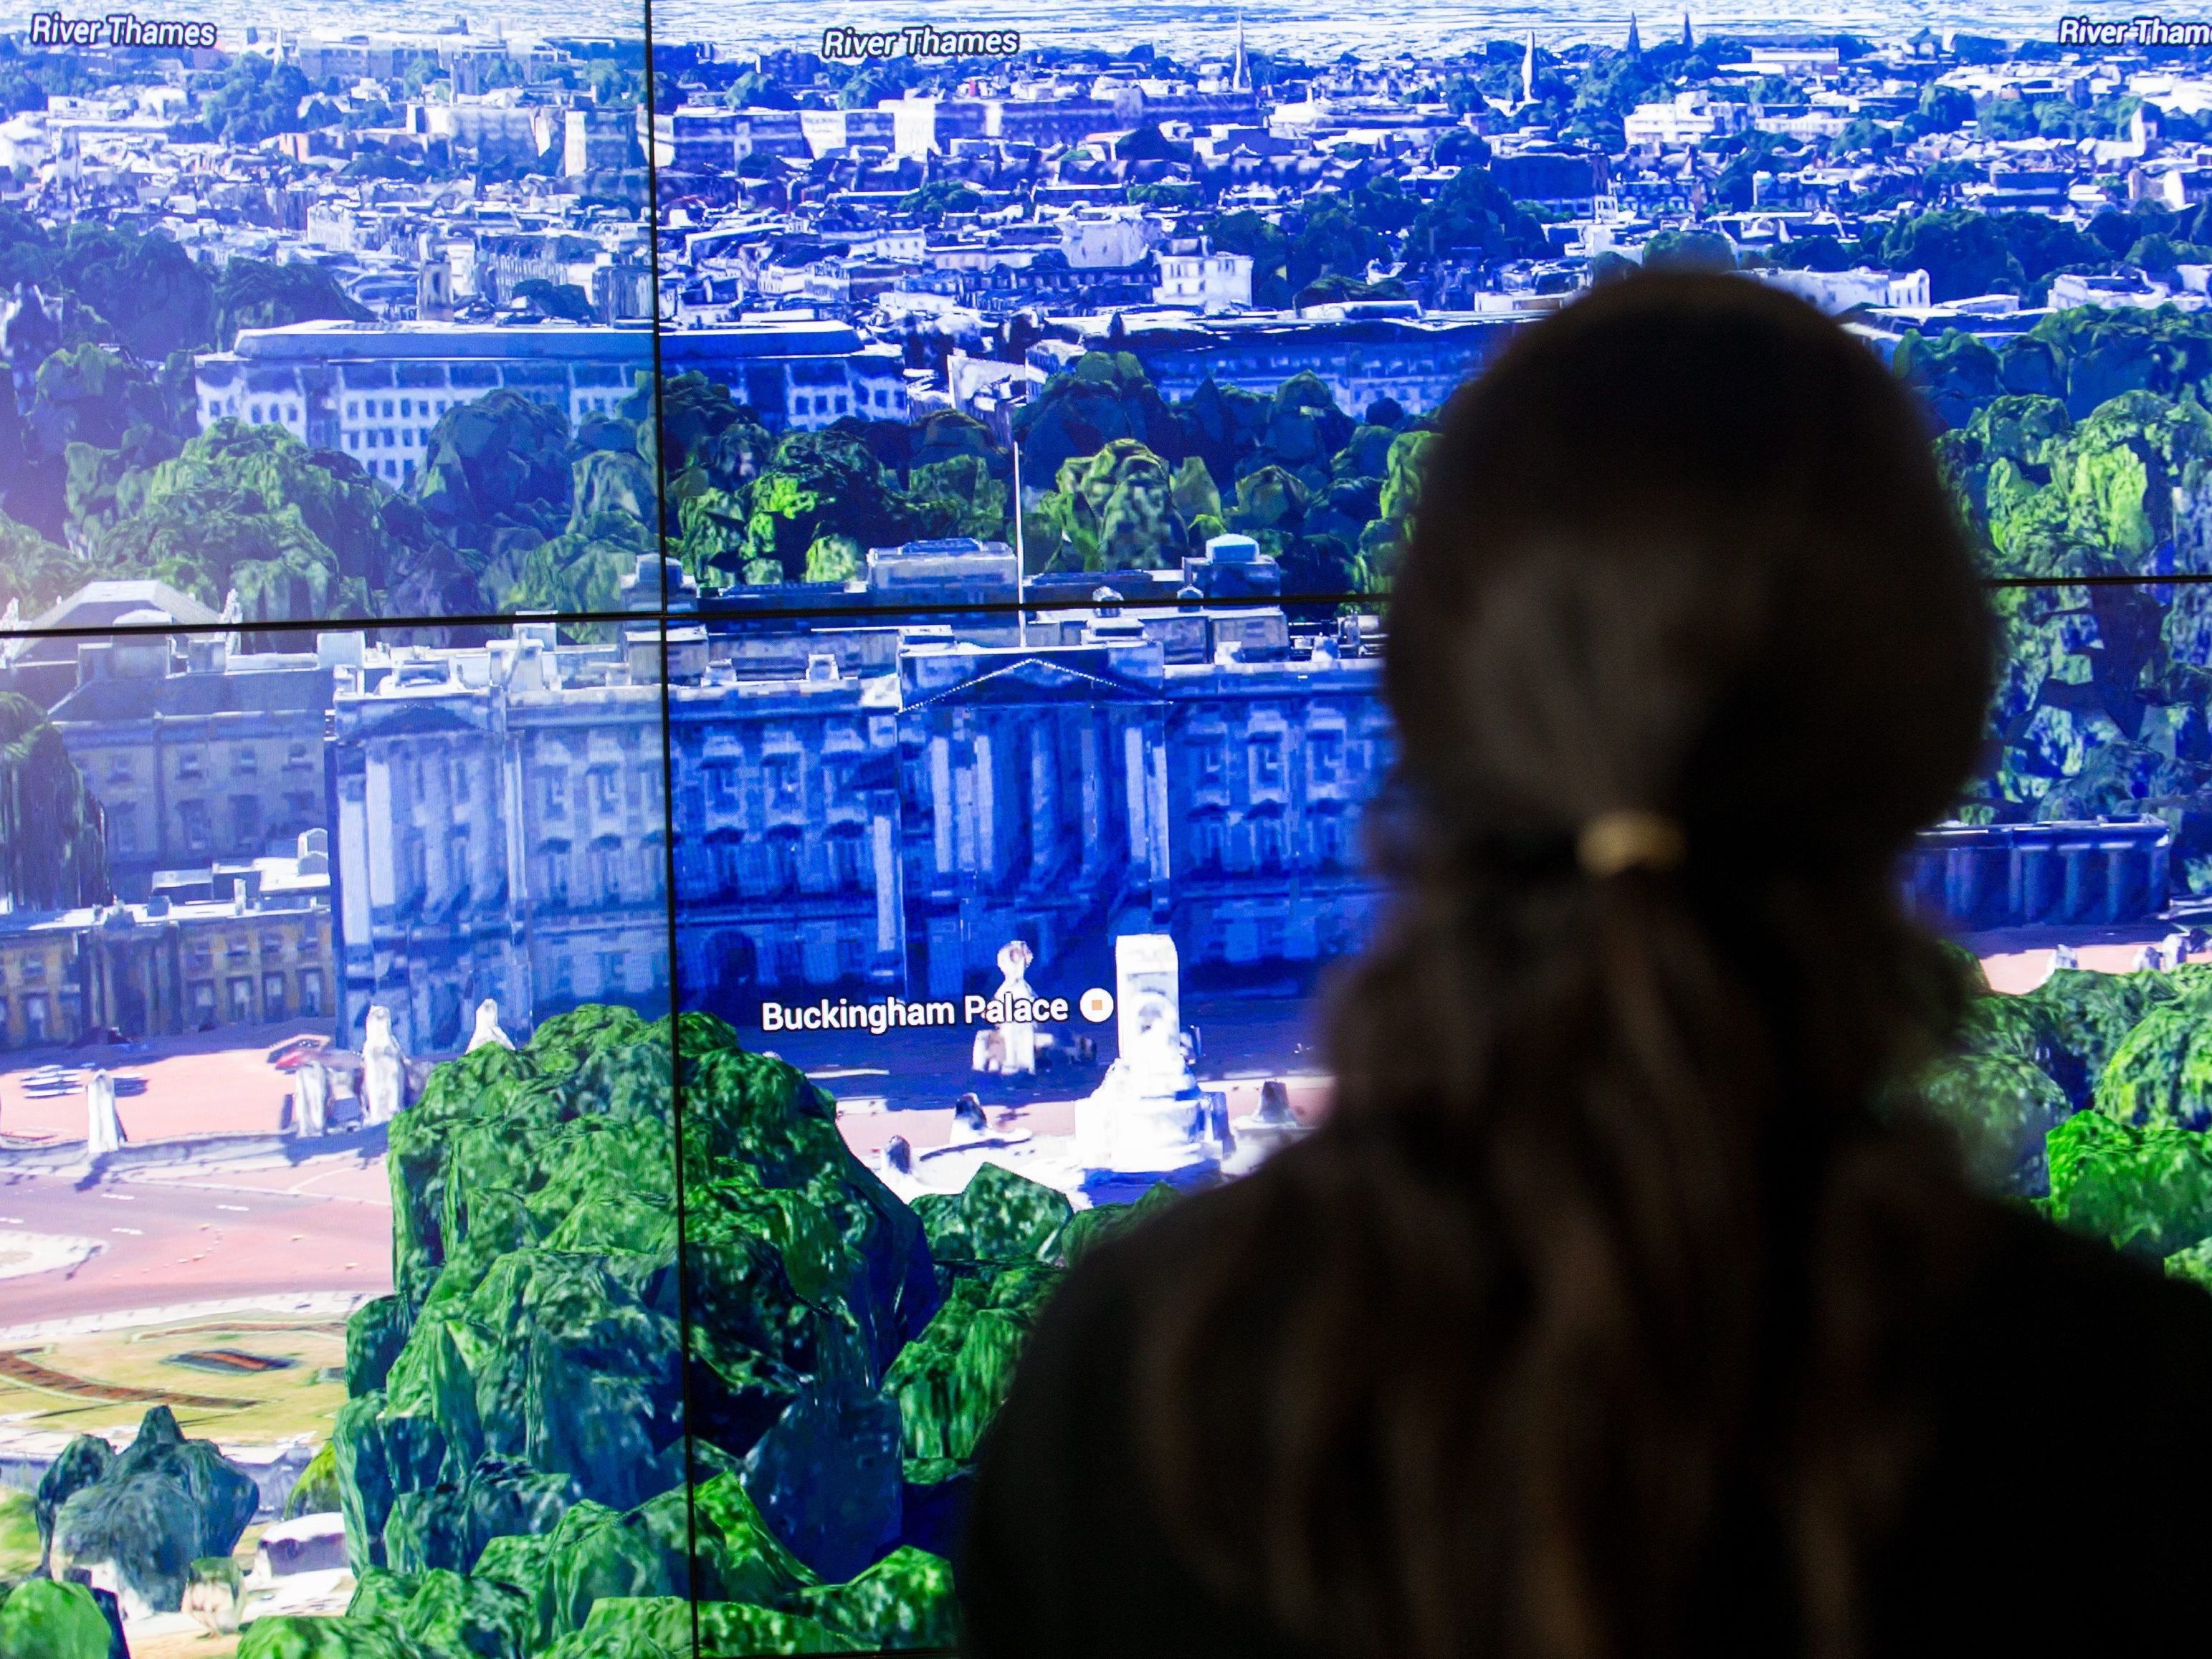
x=1021 y=563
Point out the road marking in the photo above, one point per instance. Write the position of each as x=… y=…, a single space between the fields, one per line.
x=241 y=1209
x=133 y=1232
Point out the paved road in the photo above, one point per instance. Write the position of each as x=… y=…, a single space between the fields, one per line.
x=326 y=1225
x=233 y=1233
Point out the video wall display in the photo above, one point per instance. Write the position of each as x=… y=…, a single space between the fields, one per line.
x=336 y=1130
x=673 y=715
x=991 y=881
x=322 y=317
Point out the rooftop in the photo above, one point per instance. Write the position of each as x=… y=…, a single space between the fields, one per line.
x=324 y=340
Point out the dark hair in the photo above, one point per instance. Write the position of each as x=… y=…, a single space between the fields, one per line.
x=1591 y=1295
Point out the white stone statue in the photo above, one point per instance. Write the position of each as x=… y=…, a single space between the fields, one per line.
x=2063 y=957
x=988 y=1051
x=2176 y=948
x=969 y=1123
x=2149 y=960
x=1268 y=1129
x=310 y=1092
x=103 y=1131
x=1149 y=1114
x=487 y=1031
x=896 y=1167
x=1157 y=1046
x=383 y=1070
x=1020 y=1035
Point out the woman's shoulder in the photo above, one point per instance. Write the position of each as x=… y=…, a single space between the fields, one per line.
x=1065 y=1555
x=2062 y=1293
x=2069 y=1384
x=2030 y=1283
x=1114 y=1281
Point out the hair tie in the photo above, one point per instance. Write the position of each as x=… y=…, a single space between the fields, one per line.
x=1632 y=839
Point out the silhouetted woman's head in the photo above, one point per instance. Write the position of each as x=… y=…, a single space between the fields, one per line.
x=1596 y=1256
x=1684 y=548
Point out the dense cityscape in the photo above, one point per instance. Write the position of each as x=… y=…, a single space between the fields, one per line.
x=537 y=580
x=404 y=285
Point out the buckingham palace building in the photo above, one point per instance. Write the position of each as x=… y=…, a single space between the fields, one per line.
x=853 y=806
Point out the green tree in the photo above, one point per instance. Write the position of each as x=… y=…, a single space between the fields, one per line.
x=1335 y=288
x=496 y=464
x=1105 y=395
x=714 y=450
x=89 y=394
x=1270 y=507
x=1253 y=233
x=835 y=559
x=712 y=536
x=610 y=523
x=929 y=204
x=2000 y=459
x=1819 y=252
x=94 y=477
x=944 y=434
x=2160 y=1077
x=1964 y=253
x=1865 y=137
x=33 y=572
x=1193 y=496
x=1383 y=542
x=1475 y=216
x=1944 y=109
x=1956 y=372
x=2043 y=245
x=2056 y=499
x=1332 y=242
x=53 y=1620
x=1114 y=510
x=154 y=295
x=297 y=534
x=94 y=412
x=957 y=496
x=1755 y=153
x=817 y=484
x=52 y=841
x=256 y=293
x=2145 y=1191
x=249 y=100
x=561 y=300
x=1688 y=249
x=1304 y=427
x=1224 y=425
x=2091 y=354
x=782 y=515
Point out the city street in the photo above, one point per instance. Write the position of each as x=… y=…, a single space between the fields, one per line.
x=321 y=1225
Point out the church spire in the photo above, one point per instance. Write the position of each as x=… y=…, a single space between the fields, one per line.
x=1635 y=39
x=1240 y=73
x=1529 y=69
x=1687 y=42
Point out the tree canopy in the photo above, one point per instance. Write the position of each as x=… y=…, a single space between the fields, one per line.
x=52 y=840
